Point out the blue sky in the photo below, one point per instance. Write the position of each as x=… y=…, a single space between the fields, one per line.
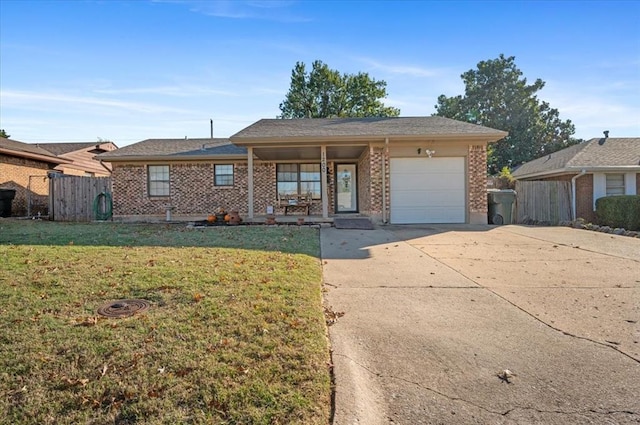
x=76 y=71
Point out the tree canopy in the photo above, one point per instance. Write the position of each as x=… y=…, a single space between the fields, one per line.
x=4 y=133
x=326 y=93
x=497 y=96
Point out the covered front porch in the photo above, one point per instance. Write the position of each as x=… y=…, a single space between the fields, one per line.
x=313 y=182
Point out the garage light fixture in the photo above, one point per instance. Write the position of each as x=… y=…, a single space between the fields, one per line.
x=427 y=152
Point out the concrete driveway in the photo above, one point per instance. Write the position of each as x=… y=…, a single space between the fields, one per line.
x=432 y=316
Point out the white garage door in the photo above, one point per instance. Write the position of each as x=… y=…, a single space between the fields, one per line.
x=427 y=190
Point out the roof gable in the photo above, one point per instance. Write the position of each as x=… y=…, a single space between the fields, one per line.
x=64 y=148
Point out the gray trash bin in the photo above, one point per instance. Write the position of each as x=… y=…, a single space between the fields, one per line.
x=6 y=198
x=501 y=204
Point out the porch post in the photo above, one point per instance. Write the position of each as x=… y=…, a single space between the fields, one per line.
x=323 y=181
x=250 y=182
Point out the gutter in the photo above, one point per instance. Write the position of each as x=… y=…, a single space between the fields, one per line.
x=573 y=192
x=171 y=158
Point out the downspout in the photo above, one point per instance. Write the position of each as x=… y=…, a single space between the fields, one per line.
x=384 y=180
x=573 y=192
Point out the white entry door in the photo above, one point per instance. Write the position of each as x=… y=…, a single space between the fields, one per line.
x=427 y=190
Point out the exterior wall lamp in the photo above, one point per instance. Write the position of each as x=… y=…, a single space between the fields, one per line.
x=427 y=152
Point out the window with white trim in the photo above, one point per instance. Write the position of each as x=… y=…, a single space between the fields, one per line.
x=615 y=184
x=223 y=174
x=298 y=179
x=158 y=180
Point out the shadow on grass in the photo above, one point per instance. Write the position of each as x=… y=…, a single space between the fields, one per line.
x=288 y=239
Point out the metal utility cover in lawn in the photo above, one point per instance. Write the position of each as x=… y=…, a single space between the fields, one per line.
x=123 y=308
x=427 y=190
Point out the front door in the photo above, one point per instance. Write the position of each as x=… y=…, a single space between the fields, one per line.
x=346 y=188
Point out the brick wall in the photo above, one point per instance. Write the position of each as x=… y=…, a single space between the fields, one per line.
x=15 y=174
x=193 y=191
x=584 y=198
x=371 y=166
x=477 y=179
x=364 y=182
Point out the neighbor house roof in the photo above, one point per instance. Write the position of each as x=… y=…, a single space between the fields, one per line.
x=175 y=149
x=599 y=154
x=64 y=148
x=26 y=150
x=349 y=129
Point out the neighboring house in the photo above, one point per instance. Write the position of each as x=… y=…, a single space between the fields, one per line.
x=596 y=168
x=398 y=170
x=24 y=168
x=82 y=156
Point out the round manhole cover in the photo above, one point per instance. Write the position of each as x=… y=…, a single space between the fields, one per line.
x=123 y=308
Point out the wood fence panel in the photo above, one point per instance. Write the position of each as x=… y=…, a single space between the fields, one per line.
x=71 y=198
x=543 y=201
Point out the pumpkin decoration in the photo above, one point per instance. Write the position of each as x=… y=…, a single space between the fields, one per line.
x=211 y=218
x=227 y=217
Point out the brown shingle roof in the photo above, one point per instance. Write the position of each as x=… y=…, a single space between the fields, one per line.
x=175 y=149
x=611 y=152
x=62 y=148
x=361 y=128
x=30 y=151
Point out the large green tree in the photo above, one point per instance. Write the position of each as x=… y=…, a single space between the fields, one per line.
x=498 y=96
x=326 y=93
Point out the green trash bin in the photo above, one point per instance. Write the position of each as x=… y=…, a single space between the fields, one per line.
x=501 y=204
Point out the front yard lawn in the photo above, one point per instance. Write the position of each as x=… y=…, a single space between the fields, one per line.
x=235 y=333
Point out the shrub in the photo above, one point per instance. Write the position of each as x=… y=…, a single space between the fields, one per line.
x=619 y=211
x=505 y=180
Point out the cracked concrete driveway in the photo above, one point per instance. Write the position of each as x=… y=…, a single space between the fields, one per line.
x=434 y=313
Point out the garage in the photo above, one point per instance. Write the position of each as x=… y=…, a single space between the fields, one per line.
x=427 y=190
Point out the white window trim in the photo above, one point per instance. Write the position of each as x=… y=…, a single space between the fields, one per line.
x=600 y=185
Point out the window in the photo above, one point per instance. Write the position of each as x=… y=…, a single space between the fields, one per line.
x=223 y=174
x=299 y=179
x=615 y=184
x=158 y=176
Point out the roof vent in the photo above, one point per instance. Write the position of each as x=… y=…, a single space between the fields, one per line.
x=606 y=134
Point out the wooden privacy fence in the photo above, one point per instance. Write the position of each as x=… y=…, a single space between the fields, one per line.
x=72 y=198
x=543 y=201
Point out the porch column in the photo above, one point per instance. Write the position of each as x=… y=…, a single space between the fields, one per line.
x=323 y=181
x=250 y=182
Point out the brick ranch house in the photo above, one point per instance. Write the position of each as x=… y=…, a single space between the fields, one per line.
x=397 y=170
x=598 y=167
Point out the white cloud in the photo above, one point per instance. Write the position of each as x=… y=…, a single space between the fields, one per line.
x=411 y=70
x=278 y=11
x=178 y=91
x=24 y=98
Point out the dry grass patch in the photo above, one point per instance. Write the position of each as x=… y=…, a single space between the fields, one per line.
x=235 y=333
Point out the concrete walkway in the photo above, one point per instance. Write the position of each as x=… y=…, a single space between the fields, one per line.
x=432 y=316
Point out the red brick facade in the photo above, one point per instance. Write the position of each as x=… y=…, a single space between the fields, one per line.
x=584 y=198
x=193 y=193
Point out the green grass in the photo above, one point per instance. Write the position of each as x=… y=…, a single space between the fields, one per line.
x=235 y=333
